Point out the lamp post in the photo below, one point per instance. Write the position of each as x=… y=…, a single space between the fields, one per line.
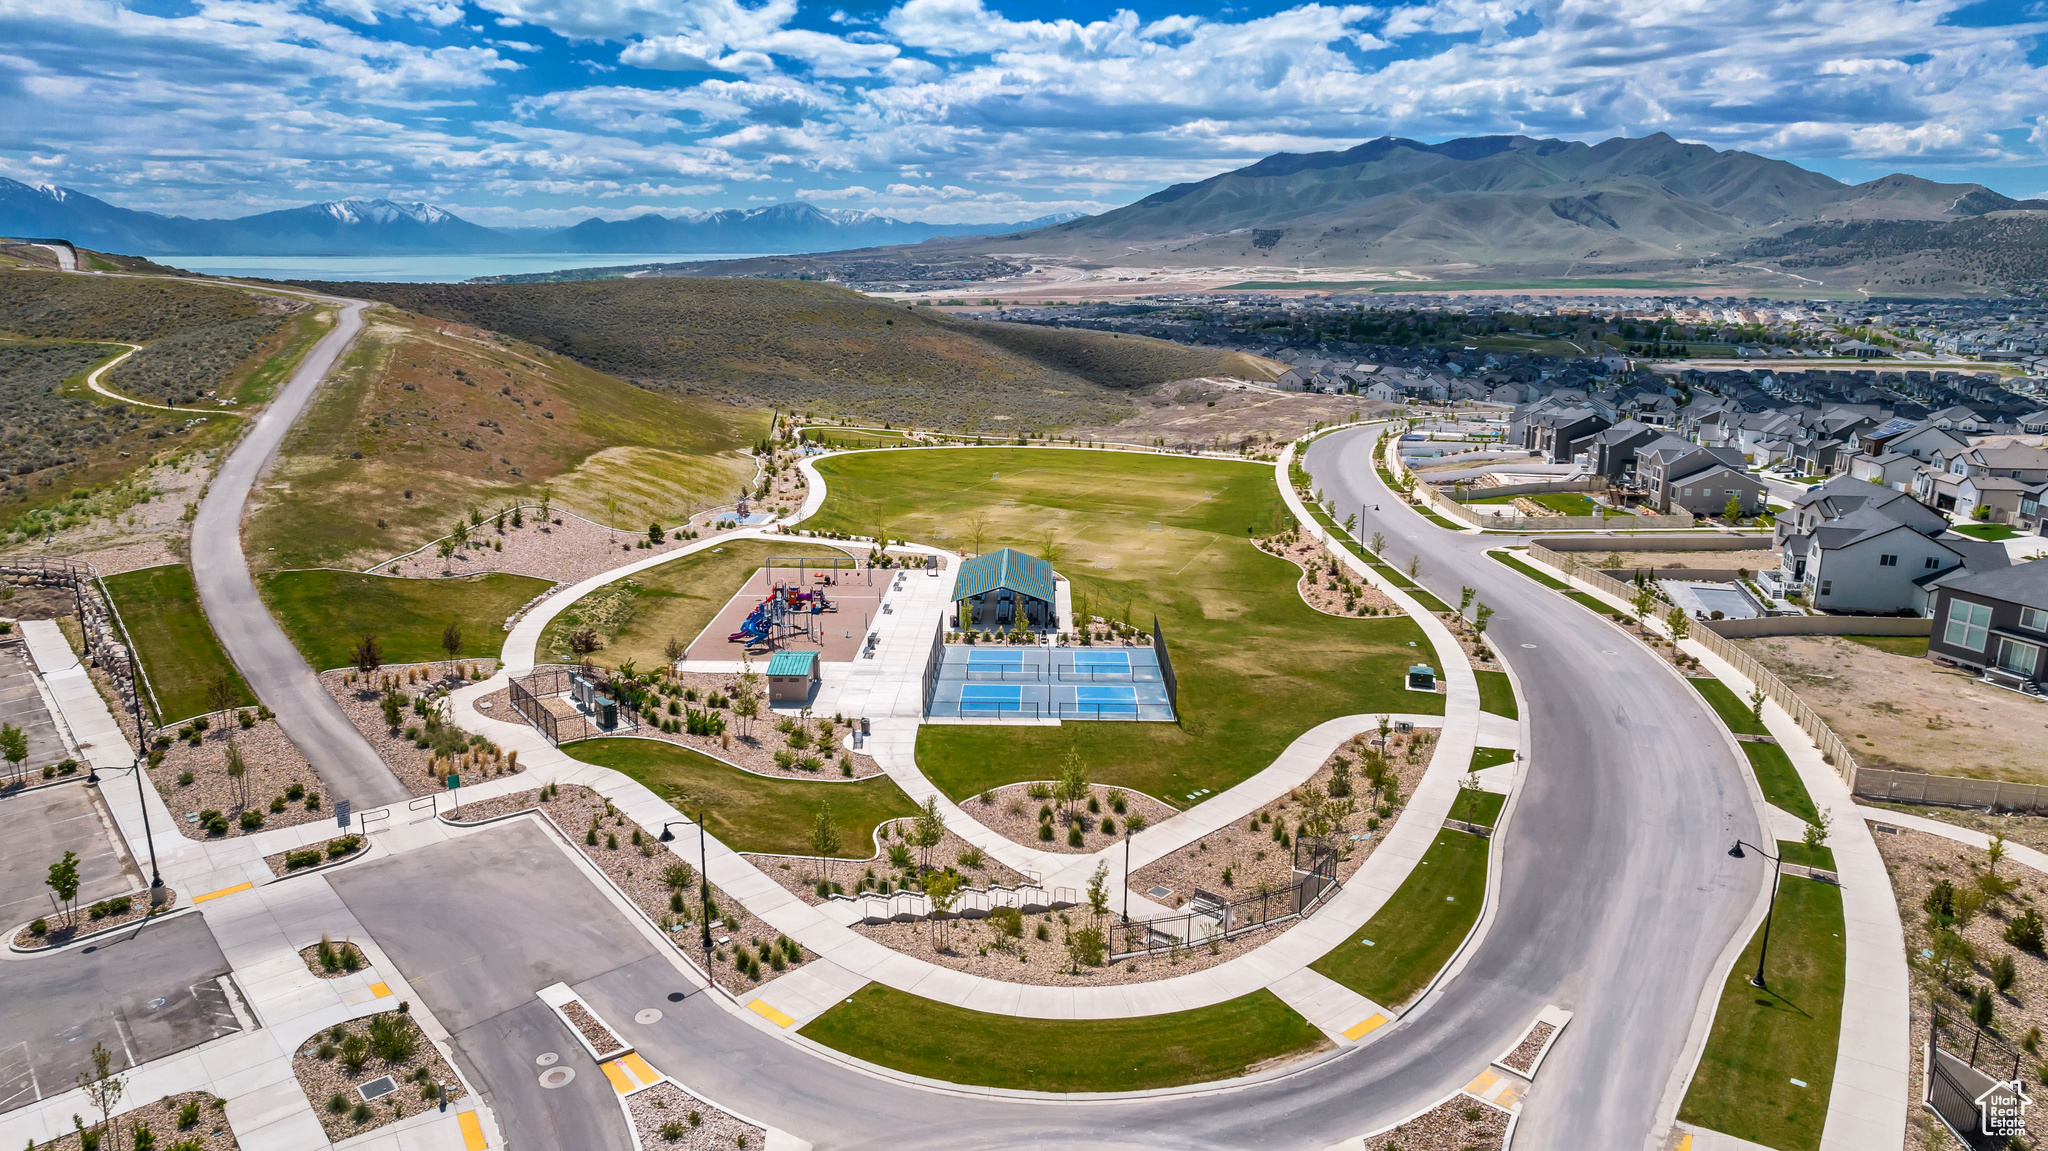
x=1132 y=825
x=1777 y=861
x=703 y=884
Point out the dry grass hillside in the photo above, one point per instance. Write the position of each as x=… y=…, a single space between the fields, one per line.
x=820 y=347
x=426 y=419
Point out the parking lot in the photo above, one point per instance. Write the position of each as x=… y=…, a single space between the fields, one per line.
x=36 y=829
x=21 y=704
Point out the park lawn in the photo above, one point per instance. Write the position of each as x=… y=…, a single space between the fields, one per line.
x=1793 y=851
x=1733 y=712
x=1429 y=601
x=919 y=1036
x=325 y=612
x=1497 y=694
x=1551 y=582
x=1913 y=645
x=1256 y=666
x=1763 y=1040
x=1564 y=503
x=637 y=616
x=1420 y=928
x=181 y=656
x=749 y=812
x=1480 y=807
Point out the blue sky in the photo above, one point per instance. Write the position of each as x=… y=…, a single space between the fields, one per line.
x=542 y=112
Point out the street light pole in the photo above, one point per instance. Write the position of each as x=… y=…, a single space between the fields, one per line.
x=1127 y=871
x=1777 y=871
x=703 y=881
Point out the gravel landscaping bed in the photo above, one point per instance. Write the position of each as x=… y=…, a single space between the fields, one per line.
x=1255 y=857
x=116 y=911
x=281 y=786
x=342 y=952
x=1325 y=584
x=333 y=851
x=665 y=1115
x=738 y=937
x=360 y=699
x=1523 y=1056
x=1917 y=862
x=1013 y=813
x=593 y=1030
x=2028 y=830
x=1460 y=1124
x=982 y=947
x=799 y=874
x=567 y=551
x=326 y=1078
x=766 y=747
x=192 y=1121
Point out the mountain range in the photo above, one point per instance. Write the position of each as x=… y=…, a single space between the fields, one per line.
x=357 y=227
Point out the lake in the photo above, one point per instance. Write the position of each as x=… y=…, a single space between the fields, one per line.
x=424 y=269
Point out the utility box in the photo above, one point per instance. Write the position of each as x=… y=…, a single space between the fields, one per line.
x=1421 y=677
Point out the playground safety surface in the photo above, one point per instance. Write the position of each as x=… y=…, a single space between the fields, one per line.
x=836 y=635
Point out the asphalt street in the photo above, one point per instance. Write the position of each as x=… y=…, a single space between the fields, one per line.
x=348 y=767
x=1617 y=894
x=146 y=993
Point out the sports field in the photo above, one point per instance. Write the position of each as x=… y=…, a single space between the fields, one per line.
x=1140 y=534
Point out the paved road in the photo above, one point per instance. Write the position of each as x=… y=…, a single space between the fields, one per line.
x=348 y=767
x=1617 y=891
x=145 y=994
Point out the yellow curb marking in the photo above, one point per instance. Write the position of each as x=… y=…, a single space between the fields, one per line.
x=1685 y=1142
x=647 y=1076
x=1359 y=1031
x=612 y=1071
x=1506 y=1099
x=1478 y=1086
x=770 y=1014
x=380 y=990
x=472 y=1132
x=221 y=892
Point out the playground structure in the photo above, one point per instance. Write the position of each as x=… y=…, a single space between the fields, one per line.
x=790 y=609
x=768 y=611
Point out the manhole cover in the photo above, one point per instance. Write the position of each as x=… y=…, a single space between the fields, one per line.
x=647 y=1016
x=377 y=1088
x=555 y=1077
x=1530 y=645
x=547 y=1059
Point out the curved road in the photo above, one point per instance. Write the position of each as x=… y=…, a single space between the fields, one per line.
x=278 y=674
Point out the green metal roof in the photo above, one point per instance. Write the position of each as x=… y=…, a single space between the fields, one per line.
x=1026 y=575
x=792 y=662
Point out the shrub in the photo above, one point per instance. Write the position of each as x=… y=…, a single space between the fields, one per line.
x=1074 y=838
x=118 y=905
x=276 y=805
x=325 y=1051
x=188 y=1115
x=1043 y=933
x=673 y=1130
x=342 y=845
x=611 y=841
x=313 y=802
x=184 y=779
x=245 y=719
x=1045 y=832
x=1981 y=1008
x=1108 y=826
x=306 y=857
x=360 y=1113
x=39 y=927
x=972 y=859
x=337 y=1103
x=391 y=1038
x=355 y=1051
x=2003 y=972
x=590 y=837
x=251 y=820
x=145 y=1139
x=899 y=855
x=2025 y=931
x=295 y=792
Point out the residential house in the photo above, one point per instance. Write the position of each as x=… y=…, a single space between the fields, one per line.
x=1852 y=546
x=1673 y=472
x=1995 y=622
x=1612 y=451
x=1558 y=431
x=1984 y=476
x=1893 y=470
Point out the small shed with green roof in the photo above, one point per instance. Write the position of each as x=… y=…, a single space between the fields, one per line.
x=792 y=676
x=997 y=590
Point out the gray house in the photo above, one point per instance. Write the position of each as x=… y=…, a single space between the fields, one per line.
x=1995 y=622
x=1676 y=472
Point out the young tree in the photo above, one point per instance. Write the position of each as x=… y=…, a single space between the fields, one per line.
x=445 y=550
x=1733 y=510
x=547 y=496
x=238 y=772
x=14 y=746
x=367 y=655
x=1816 y=833
x=654 y=533
x=1465 y=595
x=64 y=881
x=1994 y=852
x=927 y=831
x=824 y=838
x=451 y=639
x=1481 y=616
x=1415 y=567
x=746 y=695
x=1645 y=601
x=673 y=648
x=103 y=1089
x=393 y=705
x=1756 y=704
x=1049 y=549
x=476 y=517
x=977 y=532
x=1072 y=786
x=583 y=642
x=1379 y=542
x=460 y=535
x=1678 y=622
x=1351 y=524
x=942 y=891
x=1098 y=891
x=221 y=697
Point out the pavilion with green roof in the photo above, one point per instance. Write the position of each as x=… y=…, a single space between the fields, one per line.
x=999 y=590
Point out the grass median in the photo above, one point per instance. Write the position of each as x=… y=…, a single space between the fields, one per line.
x=1401 y=949
x=749 y=812
x=326 y=612
x=1775 y=775
x=1480 y=807
x=1497 y=694
x=180 y=654
x=1551 y=582
x=919 y=1036
x=1140 y=535
x=1769 y=1063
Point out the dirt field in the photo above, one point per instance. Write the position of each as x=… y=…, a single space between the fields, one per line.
x=1182 y=415
x=1908 y=714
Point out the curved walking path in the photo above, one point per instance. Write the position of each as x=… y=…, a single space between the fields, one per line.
x=850 y=959
x=93 y=381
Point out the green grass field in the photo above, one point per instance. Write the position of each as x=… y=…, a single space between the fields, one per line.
x=1763 y=1040
x=1485 y=757
x=1256 y=666
x=180 y=654
x=1480 y=807
x=326 y=612
x=637 y=616
x=1419 y=929
x=1497 y=694
x=1986 y=531
x=1551 y=582
x=749 y=812
x=1913 y=645
x=918 y=1036
x=1564 y=503
x=1779 y=780
x=1734 y=712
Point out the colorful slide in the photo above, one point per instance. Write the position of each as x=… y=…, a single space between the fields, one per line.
x=754 y=630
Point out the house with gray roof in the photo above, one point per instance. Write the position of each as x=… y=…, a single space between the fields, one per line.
x=1995 y=623
x=1852 y=546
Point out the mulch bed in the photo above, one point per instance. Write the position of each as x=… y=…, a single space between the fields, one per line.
x=593 y=1029
x=323 y=1079
x=755 y=751
x=799 y=874
x=665 y=1115
x=274 y=768
x=207 y=1131
x=1012 y=813
x=359 y=698
x=1917 y=861
x=1256 y=857
x=1325 y=584
x=1523 y=1056
x=342 y=949
x=1460 y=1124
x=83 y=923
x=978 y=947
x=278 y=862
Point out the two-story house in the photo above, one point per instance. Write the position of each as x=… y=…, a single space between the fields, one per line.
x=1612 y=451
x=1852 y=546
x=1995 y=622
x=1678 y=473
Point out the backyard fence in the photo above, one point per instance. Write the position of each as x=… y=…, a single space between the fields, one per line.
x=565 y=704
x=1695 y=542
x=1823 y=625
x=1949 y=791
x=1449 y=508
x=1210 y=920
